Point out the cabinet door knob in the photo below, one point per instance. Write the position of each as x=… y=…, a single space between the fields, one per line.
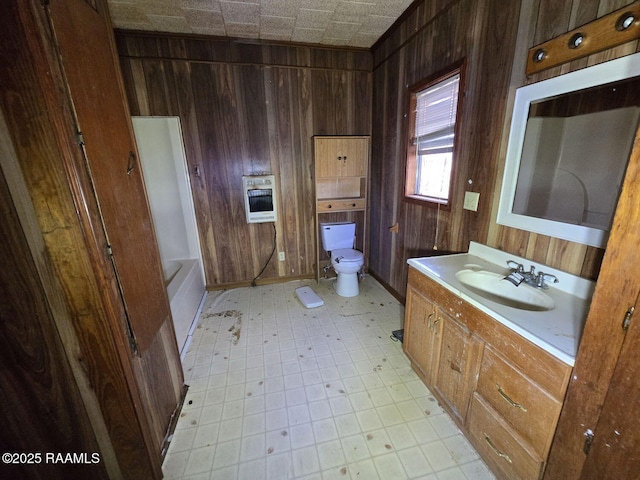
x=329 y=206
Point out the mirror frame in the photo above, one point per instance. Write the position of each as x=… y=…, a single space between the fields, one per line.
x=607 y=72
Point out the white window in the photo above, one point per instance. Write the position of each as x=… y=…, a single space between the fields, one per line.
x=434 y=107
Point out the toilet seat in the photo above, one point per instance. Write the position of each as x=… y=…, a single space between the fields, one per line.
x=347 y=255
x=347 y=262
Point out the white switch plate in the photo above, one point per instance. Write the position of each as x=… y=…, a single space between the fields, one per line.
x=471 y=201
x=281 y=256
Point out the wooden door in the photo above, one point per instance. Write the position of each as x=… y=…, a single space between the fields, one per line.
x=603 y=341
x=82 y=32
x=42 y=407
x=615 y=451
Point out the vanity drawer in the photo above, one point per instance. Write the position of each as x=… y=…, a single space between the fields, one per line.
x=340 y=204
x=530 y=410
x=500 y=447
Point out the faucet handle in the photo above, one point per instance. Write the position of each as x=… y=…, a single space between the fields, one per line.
x=518 y=267
x=542 y=277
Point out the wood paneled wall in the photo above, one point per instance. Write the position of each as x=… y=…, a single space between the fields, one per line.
x=247 y=109
x=433 y=36
x=487 y=33
x=548 y=19
x=76 y=385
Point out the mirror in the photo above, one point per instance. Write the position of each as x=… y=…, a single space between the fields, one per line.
x=570 y=141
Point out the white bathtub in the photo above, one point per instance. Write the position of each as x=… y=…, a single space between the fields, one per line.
x=185 y=287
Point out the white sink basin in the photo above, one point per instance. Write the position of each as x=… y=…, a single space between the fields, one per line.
x=494 y=287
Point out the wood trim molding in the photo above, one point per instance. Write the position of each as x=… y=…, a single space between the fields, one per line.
x=601 y=34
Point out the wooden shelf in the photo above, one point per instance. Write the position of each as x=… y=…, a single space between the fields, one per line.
x=343 y=204
x=341 y=168
x=341 y=187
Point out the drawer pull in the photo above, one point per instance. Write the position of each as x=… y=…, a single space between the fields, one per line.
x=508 y=399
x=495 y=450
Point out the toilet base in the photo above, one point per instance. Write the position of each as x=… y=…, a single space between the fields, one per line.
x=346 y=285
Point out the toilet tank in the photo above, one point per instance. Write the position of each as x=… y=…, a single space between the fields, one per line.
x=337 y=235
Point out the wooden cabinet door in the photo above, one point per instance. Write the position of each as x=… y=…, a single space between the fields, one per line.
x=457 y=366
x=341 y=157
x=354 y=157
x=83 y=34
x=615 y=451
x=422 y=334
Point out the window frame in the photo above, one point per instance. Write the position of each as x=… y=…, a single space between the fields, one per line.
x=411 y=157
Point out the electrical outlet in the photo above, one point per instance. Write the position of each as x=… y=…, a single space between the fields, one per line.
x=281 y=256
x=471 y=201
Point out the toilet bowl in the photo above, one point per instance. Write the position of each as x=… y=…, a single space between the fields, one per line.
x=338 y=240
x=347 y=262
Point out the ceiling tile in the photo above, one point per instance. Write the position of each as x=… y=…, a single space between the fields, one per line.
x=307 y=35
x=165 y=23
x=204 y=19
x=211 y=5
x=341 y=30
x=240 y=12
x=242 y=30
x=283 y=25
x=127 y=12
x=364 y=40
x=279 y=8
x=315 y=19
x=355 y=23
x=351 y=12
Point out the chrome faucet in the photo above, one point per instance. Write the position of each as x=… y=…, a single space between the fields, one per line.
x=518 y=267
x=541 y=277
x=531 y=277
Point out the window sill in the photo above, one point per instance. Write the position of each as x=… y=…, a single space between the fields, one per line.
x=428 y=202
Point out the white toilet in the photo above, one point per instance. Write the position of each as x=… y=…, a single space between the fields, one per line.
x=338 y=241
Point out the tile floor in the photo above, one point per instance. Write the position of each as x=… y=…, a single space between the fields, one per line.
x=278 y=391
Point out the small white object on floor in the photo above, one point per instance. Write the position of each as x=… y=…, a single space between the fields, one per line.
x=308 y=297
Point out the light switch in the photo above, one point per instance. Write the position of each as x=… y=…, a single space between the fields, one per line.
x=471 y=201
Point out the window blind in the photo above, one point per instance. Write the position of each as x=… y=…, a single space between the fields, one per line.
x=436 y=108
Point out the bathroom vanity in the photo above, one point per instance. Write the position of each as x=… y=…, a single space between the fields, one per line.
x=501 y=371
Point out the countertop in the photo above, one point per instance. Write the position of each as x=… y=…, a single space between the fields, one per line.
x=556 y=331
